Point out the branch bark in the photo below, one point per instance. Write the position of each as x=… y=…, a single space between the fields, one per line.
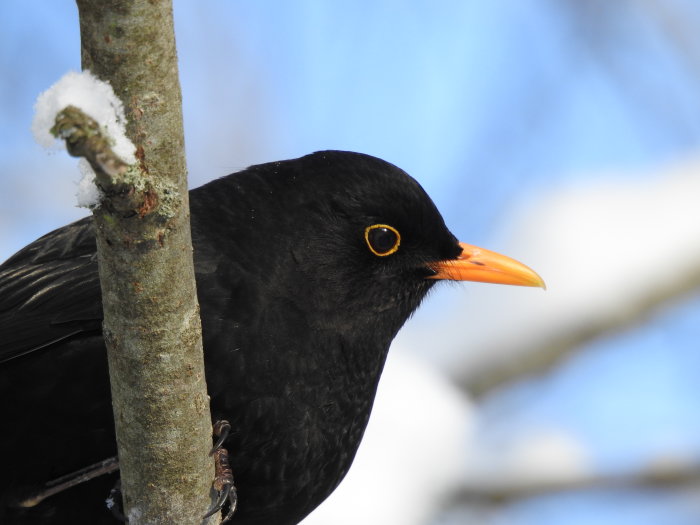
x=151 y=317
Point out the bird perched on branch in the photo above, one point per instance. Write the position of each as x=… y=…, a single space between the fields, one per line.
x=306 y=269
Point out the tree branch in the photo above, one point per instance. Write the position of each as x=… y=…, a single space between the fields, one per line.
x=538 y=356
x=151 y=319
x=655 y=476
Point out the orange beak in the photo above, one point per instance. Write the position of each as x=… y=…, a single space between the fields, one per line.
x=484 y=266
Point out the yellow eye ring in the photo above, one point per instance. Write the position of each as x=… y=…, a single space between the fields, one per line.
x=382 y=239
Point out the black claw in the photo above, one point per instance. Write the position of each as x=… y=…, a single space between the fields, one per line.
x=232 y=503
x=223 y=480
x=221 y=430
x=227 y=493
x=220 y=501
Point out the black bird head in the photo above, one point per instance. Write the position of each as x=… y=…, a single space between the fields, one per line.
x=355 y=235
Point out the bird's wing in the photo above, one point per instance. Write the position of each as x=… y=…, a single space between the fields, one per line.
x=50 y=291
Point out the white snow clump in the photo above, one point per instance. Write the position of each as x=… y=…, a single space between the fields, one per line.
x=95 y=98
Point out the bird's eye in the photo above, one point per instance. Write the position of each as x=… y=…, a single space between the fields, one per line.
x=382 y=239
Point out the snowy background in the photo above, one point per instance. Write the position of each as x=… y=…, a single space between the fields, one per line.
x=563 y=133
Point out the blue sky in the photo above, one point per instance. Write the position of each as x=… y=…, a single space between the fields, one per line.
x=487 y=104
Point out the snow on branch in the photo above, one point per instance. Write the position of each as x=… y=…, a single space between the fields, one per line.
x=95 y=98
x=84 y=111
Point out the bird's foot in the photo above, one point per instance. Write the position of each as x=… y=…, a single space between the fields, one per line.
x=223 y=480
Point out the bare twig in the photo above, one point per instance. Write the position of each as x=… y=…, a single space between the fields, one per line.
x=58 y=485
x=84 y=138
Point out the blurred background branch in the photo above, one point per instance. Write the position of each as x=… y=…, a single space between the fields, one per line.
x=498 y=492
x=539 y=356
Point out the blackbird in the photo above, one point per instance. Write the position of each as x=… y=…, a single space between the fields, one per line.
x=305 y=269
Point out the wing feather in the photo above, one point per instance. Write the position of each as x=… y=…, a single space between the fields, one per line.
x=50 y=291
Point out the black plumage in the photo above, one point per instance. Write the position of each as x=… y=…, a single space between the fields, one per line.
x=298 y=312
